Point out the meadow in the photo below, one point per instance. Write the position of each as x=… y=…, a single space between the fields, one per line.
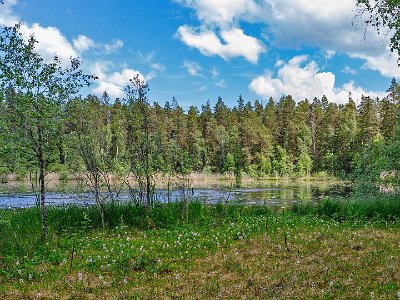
x=336 y=249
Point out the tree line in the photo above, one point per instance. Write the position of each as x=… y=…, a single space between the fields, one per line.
x=281 y=138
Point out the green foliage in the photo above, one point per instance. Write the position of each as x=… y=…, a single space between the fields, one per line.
x=304 y=164
x=143 y=151
x=371 y=164
x=33 y=94
x=379 y=209
x=282 y=164
x=265 y=166
x=229 y=164
x=368 y=120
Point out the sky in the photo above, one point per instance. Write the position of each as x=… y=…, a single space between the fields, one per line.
x=198 y=50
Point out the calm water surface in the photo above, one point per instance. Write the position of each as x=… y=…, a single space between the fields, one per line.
x=18 y=195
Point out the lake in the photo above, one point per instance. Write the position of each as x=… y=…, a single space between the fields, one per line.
x=277 y=194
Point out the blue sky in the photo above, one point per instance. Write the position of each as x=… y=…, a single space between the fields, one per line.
x=197 y=50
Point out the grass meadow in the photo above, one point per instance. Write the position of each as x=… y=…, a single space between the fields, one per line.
x=334 y=250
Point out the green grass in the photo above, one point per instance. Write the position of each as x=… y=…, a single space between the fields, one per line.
x=378 y=209
x=134 y=234
x=143 y=251
x=20 y=229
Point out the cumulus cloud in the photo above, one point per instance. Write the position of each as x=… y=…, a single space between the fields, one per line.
x=327 y=25
x=302 y=79
x=385 y=63
x=51 y=42
x=192 y=67
x=6 y=15
x=220 y=33
x=223 y=12
x=83 y=43
x=113 y=82
x=235 y=43
x=291 y=24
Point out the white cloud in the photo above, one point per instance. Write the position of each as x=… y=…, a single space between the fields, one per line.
x=330 y=53
x=214 y=72
x=235 y=43
x=301 y=78
x=221 y=83
x=385 y=63
x=114 y=46
x=150 y=75
x=158 y=67
x=327 y=24
x=51 y=42
x=113 y=82
x=279 y=63
x=145 y=58
x=349 y=70
x=291 y=24
x=223 y=12
x=6 y=15
x=83 y=43
x=192 y=67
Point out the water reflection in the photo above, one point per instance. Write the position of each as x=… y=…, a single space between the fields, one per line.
x=268 y=193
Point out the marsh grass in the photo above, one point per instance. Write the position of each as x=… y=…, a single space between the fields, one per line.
x=374 y=208
x=333 y=250
x=130 y=229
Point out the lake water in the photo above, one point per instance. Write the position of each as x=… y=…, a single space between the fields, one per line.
x=276 y=194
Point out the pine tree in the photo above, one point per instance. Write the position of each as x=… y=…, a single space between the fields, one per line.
x=195 y=141
x=347 y=137
x=368 y=123
x=270 y=119
x=286 y=124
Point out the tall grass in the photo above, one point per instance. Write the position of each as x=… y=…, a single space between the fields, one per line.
x=76 y=218
x=20 y=229
x=377 y=208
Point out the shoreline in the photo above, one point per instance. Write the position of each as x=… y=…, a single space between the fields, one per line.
x=195 y=179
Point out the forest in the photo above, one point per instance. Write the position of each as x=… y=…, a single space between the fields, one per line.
x=281 y=138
